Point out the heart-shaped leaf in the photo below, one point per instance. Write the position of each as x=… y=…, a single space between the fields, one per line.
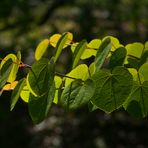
x=112 y=88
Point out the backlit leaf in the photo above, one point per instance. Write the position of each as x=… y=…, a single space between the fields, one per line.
x=88 y=53
x=80 y=72
x=94 y=44
x=58 y=82
x=134 y=73
x=25 y=93
x=115 y=42
x=92 y=69
x=41 y=49
x=91 y=49
x=15 y=66
x=5 y=72
x=134 y=51
x=143 y=70
x=55 y=38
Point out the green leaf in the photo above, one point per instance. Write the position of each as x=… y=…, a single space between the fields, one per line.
x=92 y=107
x=137 y=102
x=80 y=72
x=133 y=62
x=36 y=77
x=102 y=53
x=5 y=72
x=55 y=38
x=112 y=88
x=78 y=52
x=134 y=109
x=144 y=58
x=118 y=57
x=143 y=70
x=91 y=49
x=41 y=49
x=16 y=92
x=60 y=45
x=115 y=42
x=77 y=94
x=39 y=106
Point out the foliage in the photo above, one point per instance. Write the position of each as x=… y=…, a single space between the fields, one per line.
x=116 y=78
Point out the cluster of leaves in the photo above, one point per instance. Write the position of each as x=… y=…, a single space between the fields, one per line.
x=118 y=77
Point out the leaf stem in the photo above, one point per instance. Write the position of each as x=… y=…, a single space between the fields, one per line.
x=21 y=64
x=139 y=78
x=62 y=75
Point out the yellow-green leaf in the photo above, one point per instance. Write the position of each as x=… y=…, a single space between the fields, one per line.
x=88 y=53
x=55 y=38
x=143 y=70
x=146 y=45
x=134 y=73
x=91 y=49
x=25 y=93
x=80 y=72
x=115 y=42
x=41 y=49
x=15 y=66
x=58 y=82
x=94 y=44
x=135 y=49
x=92 y=68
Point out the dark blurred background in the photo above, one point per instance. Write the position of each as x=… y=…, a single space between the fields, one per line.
x=23 y=24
